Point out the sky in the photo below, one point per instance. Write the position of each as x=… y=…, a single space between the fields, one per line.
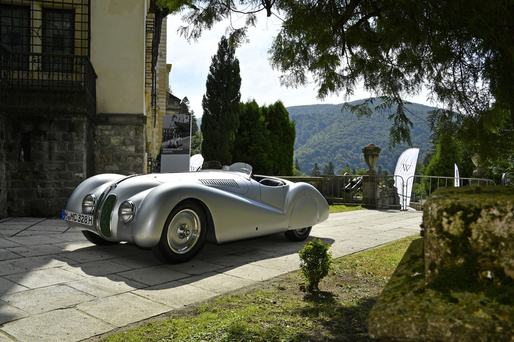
x=191 y=61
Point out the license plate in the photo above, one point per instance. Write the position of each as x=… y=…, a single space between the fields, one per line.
x=77 y=218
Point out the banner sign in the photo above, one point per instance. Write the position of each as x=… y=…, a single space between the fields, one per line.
x=404 y=172
x=457 y=183
x=176 y=143
x=176 y=134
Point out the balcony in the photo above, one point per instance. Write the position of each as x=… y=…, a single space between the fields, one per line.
x=43 y=83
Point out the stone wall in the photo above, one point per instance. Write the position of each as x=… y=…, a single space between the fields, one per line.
x=57 y=156
x=60 y=151
x=119 y=144
x=3 y=180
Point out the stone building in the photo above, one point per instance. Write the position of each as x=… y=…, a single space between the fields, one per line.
x=82 y=89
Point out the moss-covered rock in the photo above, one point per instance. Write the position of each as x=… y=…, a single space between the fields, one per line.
x=455 y=284
x=470 y=236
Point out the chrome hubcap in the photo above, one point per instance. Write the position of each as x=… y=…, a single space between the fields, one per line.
x=184 y=231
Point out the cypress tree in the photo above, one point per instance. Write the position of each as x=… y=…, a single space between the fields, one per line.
x=252 y=144
x=315 y=172
x=297 y=165
x=221 y=104
x=329 y=169
x=282 y=134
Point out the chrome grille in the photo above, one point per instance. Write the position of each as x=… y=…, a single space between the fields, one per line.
x=105 y=216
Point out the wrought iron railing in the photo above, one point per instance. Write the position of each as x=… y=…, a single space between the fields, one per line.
x=53 y=83
x=392 y=192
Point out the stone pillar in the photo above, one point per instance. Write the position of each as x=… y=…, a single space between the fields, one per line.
x=371 y=180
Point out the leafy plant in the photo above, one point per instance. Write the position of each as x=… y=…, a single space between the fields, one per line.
x=316 y=262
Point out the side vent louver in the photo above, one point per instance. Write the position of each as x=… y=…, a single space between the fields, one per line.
x=227 y=183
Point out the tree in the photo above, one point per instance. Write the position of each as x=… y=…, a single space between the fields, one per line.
x=282 y=134
x=328 y=169
x=297 y=165
x=196 y=137
x=185 y=108
x=221 y=104
x=346 y=169
x=315 y=172
x=462 y=51
x=252 y=144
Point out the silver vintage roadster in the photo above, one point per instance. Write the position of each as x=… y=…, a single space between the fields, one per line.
x=176 y=213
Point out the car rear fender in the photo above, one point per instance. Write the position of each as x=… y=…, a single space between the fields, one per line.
x=306 y=206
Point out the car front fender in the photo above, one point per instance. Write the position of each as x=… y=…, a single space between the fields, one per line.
x=155 y=209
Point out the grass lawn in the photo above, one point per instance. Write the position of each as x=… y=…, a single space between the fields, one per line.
x=339 y=208
x=280 y=309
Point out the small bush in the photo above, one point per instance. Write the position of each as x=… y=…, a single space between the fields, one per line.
x=315 y=263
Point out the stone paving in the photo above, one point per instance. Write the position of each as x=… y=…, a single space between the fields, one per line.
x=57 y=286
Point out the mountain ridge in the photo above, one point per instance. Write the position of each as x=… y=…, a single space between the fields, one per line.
x=326 y=133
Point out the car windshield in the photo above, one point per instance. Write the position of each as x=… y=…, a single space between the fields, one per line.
x=236 y=167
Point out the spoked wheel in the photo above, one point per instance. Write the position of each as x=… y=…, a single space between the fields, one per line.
x=97 y=240
x=183 y=235
x=298 y=235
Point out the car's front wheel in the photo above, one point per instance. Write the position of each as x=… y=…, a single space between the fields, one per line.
x=183 y=235
x=298 y=234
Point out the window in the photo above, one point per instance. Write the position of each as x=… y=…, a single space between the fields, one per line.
x=15 y=33
x=58 y=39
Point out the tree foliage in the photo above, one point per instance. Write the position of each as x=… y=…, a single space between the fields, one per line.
x=252 y=144
x=462 y=51
x=185 y=108
x=328 y=169
x=315 y=172
x=220 y=104
x=297 y=165
x=265 y=139
x=282 y=134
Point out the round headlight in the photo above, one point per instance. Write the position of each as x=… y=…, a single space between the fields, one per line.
x=127 y=211
x=88 y=204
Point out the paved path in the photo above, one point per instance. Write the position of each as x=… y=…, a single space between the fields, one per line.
x=56 y=286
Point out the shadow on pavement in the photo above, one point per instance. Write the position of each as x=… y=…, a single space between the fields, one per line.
x=42 y=258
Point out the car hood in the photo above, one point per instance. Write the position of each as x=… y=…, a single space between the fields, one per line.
x=229 y=181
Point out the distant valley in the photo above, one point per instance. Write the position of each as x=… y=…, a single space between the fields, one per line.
x=326 y=134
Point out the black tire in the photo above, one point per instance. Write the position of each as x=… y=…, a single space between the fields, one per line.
x=298 y=235
x=96 y=239
x=183 y=234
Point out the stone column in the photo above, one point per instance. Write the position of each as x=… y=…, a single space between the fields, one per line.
x=371 y=180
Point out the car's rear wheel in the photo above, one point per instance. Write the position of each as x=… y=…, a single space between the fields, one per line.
x=298 y=234
x=183 y=235
x=97 y=240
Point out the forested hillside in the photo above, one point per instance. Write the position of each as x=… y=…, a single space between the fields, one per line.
x=326 y=134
